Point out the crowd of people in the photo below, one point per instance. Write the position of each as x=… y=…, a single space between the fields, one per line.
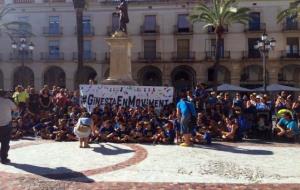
x=196 y=116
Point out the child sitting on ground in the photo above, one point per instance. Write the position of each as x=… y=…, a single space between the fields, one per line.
x=137 y=133
x=121 y=135
x=106 y=132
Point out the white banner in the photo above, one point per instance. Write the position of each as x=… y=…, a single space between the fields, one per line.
x=128 y=96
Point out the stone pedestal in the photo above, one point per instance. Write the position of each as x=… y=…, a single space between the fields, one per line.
x=120 y=60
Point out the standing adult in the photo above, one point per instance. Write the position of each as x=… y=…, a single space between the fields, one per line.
x=6 y=107
x=185 y=112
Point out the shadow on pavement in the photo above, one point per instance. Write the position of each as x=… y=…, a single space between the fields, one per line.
x=60 y=173
x=236 y=150
x=114 y=150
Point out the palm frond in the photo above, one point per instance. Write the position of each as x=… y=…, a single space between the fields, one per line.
x=292 y=11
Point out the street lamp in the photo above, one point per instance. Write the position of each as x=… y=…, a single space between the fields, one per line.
x=23 y=48
x=265 y=45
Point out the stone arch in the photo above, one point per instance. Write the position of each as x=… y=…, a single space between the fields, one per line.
x=289 y=75
x=224 y=75
x=24 y=76
x=55 y=76
x=150 y=76
x=85 y=74
x=183 y=78
x=252 y=76
x=1 y=80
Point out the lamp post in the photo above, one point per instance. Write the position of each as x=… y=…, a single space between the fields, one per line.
x=23 y=47
x=265 y=45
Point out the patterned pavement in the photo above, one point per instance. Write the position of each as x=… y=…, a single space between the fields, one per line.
x=133 y=160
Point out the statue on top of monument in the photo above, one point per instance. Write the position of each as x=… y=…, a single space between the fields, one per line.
x=123 y=15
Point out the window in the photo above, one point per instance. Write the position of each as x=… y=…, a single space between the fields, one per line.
x=183 y=48
x=86 y=22
x=291 y=23
x=150 y=49
x=183 y=24
x=54 y=49
x=212 y=48
x=87 y=49
x=292 y=47
x=254 y=22
x=24 y=29
x=253 y=52
x=150 y=24
x=54 y=23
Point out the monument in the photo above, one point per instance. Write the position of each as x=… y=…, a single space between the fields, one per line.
x=120 y=51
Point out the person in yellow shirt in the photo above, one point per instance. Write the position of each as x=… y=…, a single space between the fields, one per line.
x=20 y=97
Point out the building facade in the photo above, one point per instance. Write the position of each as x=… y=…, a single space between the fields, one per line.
x=167 y=49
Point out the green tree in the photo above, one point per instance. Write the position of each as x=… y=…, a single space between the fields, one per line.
x=218 y=14
x=292 y=11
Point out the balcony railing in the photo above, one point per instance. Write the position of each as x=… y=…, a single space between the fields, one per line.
x=294 y=26
x=212 y=54
x=211 y=29
x=23 y=1
x=183 y=30
x=18 y=57
x=87 y=56
x=149 y=57
x=87 y=31
x=54 y=1
x=52 y=57
x=251 y=55
x=149 y=31
x=53 y=31
x=183 y=56
x=259 y=27
x=290 y=54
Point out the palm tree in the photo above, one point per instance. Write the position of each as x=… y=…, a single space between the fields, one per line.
x=219 y=15
x=79 y=6
x=292 y=11
x=13 y=27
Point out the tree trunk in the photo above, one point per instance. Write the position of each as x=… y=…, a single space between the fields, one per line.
x=79 y=26
x=217 y=59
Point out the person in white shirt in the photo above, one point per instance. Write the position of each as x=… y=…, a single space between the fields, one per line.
x=6 y=107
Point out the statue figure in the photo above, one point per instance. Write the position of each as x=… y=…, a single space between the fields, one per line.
x=123 y=16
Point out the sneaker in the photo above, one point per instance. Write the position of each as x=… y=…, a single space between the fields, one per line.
x=5 y=161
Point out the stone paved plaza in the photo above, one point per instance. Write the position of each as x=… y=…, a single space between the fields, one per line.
x=38 y=164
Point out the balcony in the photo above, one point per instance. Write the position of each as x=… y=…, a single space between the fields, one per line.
x=183 y=56
x=87 y=31
x=146 y=30
x=87 y=56
x=53 y=57
x=53 y=31
x=288 y=27
x=18 y=57
x=251 y=55
x=211 y=29
x=183 y=30
x=23 y=1
x=210 y=55
x=149 y=57
x=257 y=27
x=290 y=55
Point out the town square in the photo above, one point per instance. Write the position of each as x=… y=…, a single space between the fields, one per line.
x=139 y=94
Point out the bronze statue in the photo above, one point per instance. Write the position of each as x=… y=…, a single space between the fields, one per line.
x=123 y=16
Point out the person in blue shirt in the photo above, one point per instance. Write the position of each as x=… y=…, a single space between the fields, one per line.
x=185 y=111
x=106 y=131
x=287 y=126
